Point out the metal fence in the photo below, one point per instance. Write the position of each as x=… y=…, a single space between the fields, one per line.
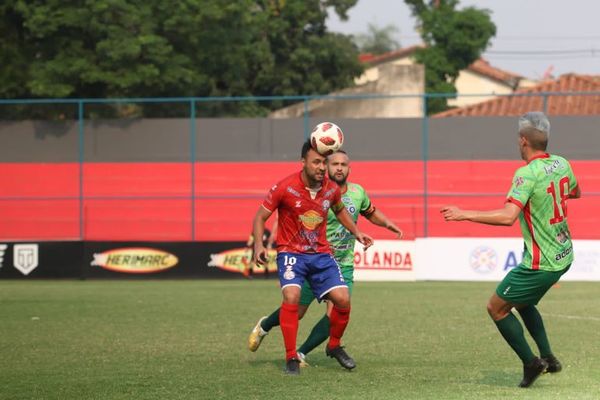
x=73 y=162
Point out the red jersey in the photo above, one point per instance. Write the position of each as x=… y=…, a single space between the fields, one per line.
x=302 y=220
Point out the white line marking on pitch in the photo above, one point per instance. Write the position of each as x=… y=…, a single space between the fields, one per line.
x=574 y=317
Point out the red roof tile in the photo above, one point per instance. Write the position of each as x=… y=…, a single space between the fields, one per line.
x=523 y=101
x=374 y=59
x=481 y=66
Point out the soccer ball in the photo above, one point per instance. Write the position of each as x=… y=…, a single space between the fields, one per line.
x=326 y=138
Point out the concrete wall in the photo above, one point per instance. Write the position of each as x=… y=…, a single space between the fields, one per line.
x=390 y=79
x=262 y=139
x=469 y=82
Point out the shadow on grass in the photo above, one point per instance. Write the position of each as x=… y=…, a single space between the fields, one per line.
x=498 y=378
x=273 y=362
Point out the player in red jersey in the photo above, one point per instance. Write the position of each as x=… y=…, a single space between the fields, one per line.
x=302 y=201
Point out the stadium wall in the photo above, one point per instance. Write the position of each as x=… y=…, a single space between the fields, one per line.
x=133 y=178
x=262 y=139
x=152 y=201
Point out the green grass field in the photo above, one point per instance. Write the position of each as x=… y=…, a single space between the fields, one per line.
x=187 y=340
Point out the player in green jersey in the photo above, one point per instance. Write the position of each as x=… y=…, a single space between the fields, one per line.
x=342 y=242
x=538 y=197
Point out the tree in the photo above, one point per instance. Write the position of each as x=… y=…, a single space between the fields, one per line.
x=454 y=39
x=378 y=40
x=154 y=48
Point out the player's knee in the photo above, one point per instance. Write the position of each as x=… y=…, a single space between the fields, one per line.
x=496 y=311
x=342 y=301
x=291 y=297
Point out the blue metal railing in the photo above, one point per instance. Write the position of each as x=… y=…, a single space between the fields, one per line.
x=193 y=130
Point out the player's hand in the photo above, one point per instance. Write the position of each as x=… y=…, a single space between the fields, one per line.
x=396 y=230
x=452 y=213
x=365 y=240
x=260 y=255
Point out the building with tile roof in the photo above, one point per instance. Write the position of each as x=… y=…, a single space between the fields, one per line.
x=479 y=78
x=560 y=103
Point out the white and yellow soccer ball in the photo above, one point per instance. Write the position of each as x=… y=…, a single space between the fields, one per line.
x=326 y=138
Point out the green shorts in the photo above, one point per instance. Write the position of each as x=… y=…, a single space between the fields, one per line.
x=527 y=286
x=307 y=296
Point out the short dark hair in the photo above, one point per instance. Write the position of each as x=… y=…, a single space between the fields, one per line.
x=305 y=148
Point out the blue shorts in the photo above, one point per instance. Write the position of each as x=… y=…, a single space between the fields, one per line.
x=320 y=270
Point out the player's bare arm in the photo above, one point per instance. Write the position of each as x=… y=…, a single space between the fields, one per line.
x=260 y=253
x=346 y=220
x=504 y=216
x=379 y=218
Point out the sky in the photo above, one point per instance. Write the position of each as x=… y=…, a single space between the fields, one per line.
x=533 y=37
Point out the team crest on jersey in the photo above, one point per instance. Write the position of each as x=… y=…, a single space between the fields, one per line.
x=289 y=274
x=349 y=205
x=298 y=203
x=326 y=204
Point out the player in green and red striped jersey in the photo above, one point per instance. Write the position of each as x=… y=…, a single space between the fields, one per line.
x=538 y=197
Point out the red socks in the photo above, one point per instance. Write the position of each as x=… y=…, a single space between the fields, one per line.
x=338 y=321
x=288 y=320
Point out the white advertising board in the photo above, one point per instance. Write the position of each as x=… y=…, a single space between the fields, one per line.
x=386 y=260
x=489 y=259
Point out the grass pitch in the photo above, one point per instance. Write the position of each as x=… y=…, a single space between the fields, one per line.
x=187 y=340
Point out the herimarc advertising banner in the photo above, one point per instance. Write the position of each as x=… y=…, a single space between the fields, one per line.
x=130 y=260
x=33 y=260
x=172 y=260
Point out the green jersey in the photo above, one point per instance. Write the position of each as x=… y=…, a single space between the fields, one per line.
x=341 y=241
x=541 y=189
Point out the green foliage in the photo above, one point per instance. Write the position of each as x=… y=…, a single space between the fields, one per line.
x=454 y=39
x=378 y=40
x=153 y=48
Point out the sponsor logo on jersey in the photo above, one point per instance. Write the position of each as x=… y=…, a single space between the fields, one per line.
x=549 y=169
x=135 y=260
x=293 y=191
x=329 y=192
x=562 y=237
x=311 y=219
x=483 y=259
x=25 y=257
x=298 y=203
x=519 y=181
x=563 y=254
